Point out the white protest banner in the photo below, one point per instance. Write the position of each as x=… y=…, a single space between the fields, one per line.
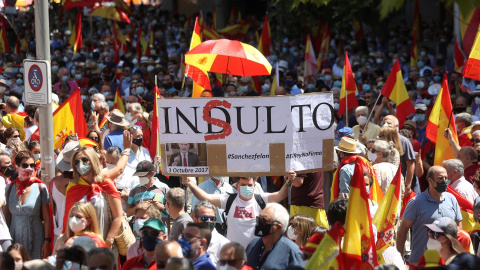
x=246 y=136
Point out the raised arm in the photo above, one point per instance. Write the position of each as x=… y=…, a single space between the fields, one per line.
x=122 y=162
x=283 y=192
x=200 y=193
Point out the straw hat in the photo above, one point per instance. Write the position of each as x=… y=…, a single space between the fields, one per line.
x=348 y=145
x=65 y=156
x=118 y=118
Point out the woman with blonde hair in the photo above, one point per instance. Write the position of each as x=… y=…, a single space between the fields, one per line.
x=91 y=184
x=390 y=134
x=82 y=221
x=384 y=153
x=300 y=228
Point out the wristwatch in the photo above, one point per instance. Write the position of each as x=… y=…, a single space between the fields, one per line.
x=110 y=240
x=48 y=239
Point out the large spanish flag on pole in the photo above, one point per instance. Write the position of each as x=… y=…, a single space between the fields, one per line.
x=466 y=208
x=200 y=78
x=154 y=148
x=395 y=90
x=69 y=119
x=118 y=102
x=323 y=52
x=440 y=119
x=472 y=67
x=387 y=215
x=266 y=38
x=359 y=251
x=310 y=68
x=328 y=254
x=348 y=99
x=459 y=57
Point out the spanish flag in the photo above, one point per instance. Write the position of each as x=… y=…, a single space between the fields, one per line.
x=275 y=82
x=348 y=100
x=469 y=23
x=414 y=53
x=387 y=215
x=200 y=77
x=266 y=38
x=328 y=254
x=359 y=251
x=459 y=57
x=209 y=33
x=69 y=119
x=466 y=208
x=16 y=120
x=154 y=147
x=76 y=39
x=310 y=62
x=440 y=118
x=472 y=67
x=86 y=142
x=323 y=52
x=118 y=102
x=236 y=31
x=4 y=46
x=395 y=90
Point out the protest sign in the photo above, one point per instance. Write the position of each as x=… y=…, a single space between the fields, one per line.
x=248 y=136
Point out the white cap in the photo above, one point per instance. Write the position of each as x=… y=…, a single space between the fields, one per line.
x=420 y=106
x=283 y=65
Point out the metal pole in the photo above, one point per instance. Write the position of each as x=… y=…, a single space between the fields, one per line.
x=346 y=107
x=42 y=37
x=368 y=120
x=289 y=196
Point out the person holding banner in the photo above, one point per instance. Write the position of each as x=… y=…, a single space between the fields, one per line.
x=245 y=207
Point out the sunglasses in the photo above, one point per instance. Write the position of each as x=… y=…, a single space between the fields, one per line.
x=136 y=127
x=153 y=233
x=16 y=136
x=229 y=262
x=207 y=218
x=83 y=159
x=26 y=165
x=434 y=235
x=96 y=139
x=475 y=141
x=263 y=220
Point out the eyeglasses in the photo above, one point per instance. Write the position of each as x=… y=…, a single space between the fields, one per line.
x=207 y=218
x=16 y=136
x=264 y=220
x=136 y=127
x=153 y=233
x=96 y=139
x=229 y=262
x=83 y=159
x=475 y=141
x=435 y=235
x=26 y=165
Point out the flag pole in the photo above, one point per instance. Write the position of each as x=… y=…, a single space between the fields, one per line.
x=368 y=120
x=346 y=107
x=449 y=120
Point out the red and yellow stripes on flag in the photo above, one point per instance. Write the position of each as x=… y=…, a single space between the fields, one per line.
x=414 y=53
x=440 y=118
x=469 y=23
x=209 y=33
x=396 y=91
x=118 y=102
x=236 y=31
x=102 y=123
x=275 y=82
x=323 y=53
x=86 y=142
x=359 y=251
x=218 y=79
x=154 y=148
x=143 y=48
x=265 y=39
x=466 y=209
x=357 y=29
x=459 y=57
x=328 y=255
x=199 y=77
x=76 y=39
x=16 y=120
x=119 y=40
x=310 y=68
x=4 y=46
x=472 y=66
x=69 y=119
x=348 y=100
x=387 y=214
x=17 y=46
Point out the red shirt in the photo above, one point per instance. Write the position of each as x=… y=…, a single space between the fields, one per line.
x=138 y=263
x=470 y=172
x=464 y=140
x=35 y=136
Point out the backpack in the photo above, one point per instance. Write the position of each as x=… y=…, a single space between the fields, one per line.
x=231 y=198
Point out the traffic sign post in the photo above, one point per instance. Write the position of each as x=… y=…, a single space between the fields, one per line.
x=38 y=82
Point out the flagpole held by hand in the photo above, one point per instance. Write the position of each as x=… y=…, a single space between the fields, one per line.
x=368 y=120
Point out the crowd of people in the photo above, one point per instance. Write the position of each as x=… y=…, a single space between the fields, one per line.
x=109 y=207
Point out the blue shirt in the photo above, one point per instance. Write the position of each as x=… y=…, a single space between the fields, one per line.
x=345 y=176
x=284 y=254
x=204 y=263
x=423 y=209
x=210 y=187
x=115 y=138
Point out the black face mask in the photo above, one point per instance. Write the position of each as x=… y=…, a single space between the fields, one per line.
x=459 y=110
x=262 y=229
x=210 y=225
x=7 y=171
x=137 y=142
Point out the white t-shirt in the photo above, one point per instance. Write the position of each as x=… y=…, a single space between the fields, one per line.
x=465 y=189
x=216 y=244
x=241 y=218
x=4 y=232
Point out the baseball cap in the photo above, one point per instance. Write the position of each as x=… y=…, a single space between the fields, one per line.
x=144 y=167
x=345 y=131
x=155 y=224
x=444 y=225
x=420 y=106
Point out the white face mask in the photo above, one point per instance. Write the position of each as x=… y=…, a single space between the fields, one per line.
x=143 y=180
x=477 y=100
x=371 y=156
x=226 y=267
x=434 y=244
x=128 y=116
x=37 y=156
x=76 y=224
x=18 y=266
x=362 y=120
x=138 y=225
x=291 y=233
